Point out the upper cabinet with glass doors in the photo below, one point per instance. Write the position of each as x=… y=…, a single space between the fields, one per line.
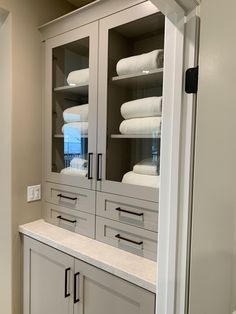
x=130 y=102
x=71 y=106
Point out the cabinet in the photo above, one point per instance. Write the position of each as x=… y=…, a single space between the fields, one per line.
x=55 y=282
x=103 y=113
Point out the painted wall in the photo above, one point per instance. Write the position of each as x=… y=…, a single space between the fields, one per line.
x=20 y=132
x=212 y=288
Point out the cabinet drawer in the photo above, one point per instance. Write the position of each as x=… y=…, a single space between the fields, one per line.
x=135 y=212
x=71 y=197
x=73 y=220
x=135 y=240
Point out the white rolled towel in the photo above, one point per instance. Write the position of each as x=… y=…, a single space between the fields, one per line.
x=78 y=77
x=74 y=172
x=144 y=62
x=143 y=107
x=79 y=163
x=75 y=129
x=147 y=166
x=141 y=179
x=76 y=114
x=138 y=126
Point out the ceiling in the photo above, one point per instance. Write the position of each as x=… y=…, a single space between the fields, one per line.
x=80 y=3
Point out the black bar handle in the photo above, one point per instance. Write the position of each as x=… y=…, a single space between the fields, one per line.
x=98 y=167
x=76 y=300
x=67 y=294
x=67 y=197
x=90 y=176
x=68 y=220
x=129 y=212
x=128 y=240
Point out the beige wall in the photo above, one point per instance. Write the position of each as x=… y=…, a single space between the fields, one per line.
x=23 y=166
x=215 y=163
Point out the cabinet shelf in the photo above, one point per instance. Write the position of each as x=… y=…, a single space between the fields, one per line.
x=72 y=90
x=152 y=78
x=135 y=136
x=62 y=136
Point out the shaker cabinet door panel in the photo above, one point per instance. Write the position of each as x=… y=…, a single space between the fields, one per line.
x=48 y=275
x=102 y=293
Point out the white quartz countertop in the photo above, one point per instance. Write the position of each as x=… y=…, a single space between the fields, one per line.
x=138 y=270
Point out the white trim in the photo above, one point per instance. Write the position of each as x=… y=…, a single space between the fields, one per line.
x=168 y=213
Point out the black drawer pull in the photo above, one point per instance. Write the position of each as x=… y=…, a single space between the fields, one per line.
x=128 y=240
x=68 y=220
x=128 y=212
x=90 y=176
x=76 y=300
x=67 y=294
x=67 y=197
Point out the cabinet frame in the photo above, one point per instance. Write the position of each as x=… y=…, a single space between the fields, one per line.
x=91 y=31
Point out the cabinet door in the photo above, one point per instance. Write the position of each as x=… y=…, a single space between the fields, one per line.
x=48 y=276
x=71 y=106
x=102 y=293
x=130 y=101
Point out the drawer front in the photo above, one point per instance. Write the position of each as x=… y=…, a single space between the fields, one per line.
x=135 y=212
x=132 y=239
x=72 y=220
x=71 y=197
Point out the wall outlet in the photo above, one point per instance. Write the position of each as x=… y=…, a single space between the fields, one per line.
x=33 y=193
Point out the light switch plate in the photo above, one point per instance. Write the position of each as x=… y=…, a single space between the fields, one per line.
x=33 y=193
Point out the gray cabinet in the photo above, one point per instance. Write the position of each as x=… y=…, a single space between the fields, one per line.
x=48 y=278
x=102 y=293
x=55 y=282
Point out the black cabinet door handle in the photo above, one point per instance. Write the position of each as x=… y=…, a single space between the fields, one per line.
x=67 y=197
x=90 y=176
x=99 y=157
x=67 y=294
x=76 y=300
x=128 y=240
x=128 y=212
x=65 y=219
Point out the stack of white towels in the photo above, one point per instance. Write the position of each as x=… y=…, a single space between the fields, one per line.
x=76 y=124
x=142 y=116
x=144 y=173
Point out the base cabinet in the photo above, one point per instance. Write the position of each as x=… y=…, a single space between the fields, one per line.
x=55 y=282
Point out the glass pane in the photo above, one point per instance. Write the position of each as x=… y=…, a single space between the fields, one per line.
x=70 y=108
x=134 y=108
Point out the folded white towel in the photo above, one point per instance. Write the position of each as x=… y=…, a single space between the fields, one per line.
x=141 y=179
x=144 y=62
x=75 y=129
x=147 y=166
x=150 y=125
x=143 y=107
x=79 y=163
x=74 y=172
x=78 y=77
x=76 y=114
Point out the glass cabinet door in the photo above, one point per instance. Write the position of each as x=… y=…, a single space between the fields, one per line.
x=130 y=102
x=71 y=96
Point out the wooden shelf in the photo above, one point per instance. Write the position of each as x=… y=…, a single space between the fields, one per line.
x=135 y=136
x=152 y=78
x=72 y=90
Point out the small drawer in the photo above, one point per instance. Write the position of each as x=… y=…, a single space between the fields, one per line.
x=71 y=197
x=135 y=212
x=132 y=239
x=72 y=220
